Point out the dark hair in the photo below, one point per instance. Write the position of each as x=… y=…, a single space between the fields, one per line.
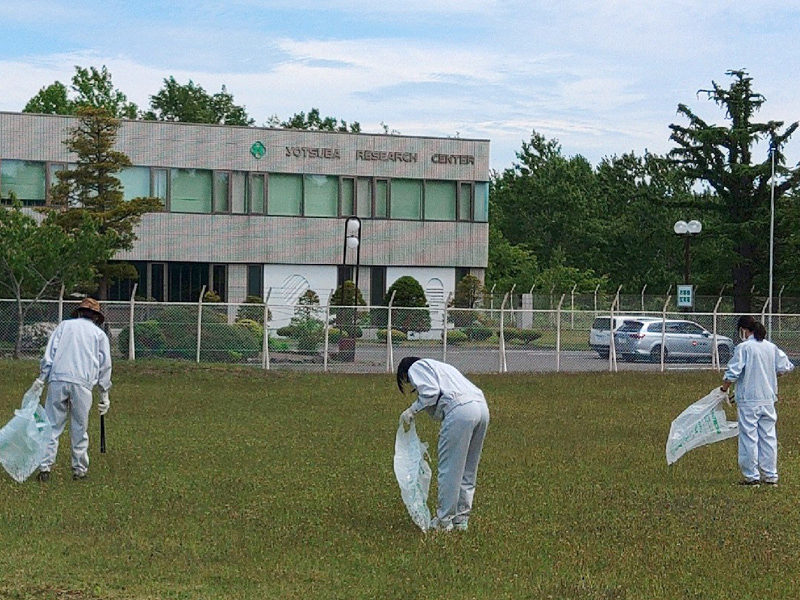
x=402 y=370
x=749 y=323
x=85 y=313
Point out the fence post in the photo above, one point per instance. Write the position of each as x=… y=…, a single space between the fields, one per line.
x=558 y=333
x=597 y=287
x=664 y=329
x=503 y=364
x=780 y=309
x=265 y=338
x=327 y=331
x=612 y=344
x=200 y=321
x=131 y=340
x=643 y=289
x=61 y=304
x=444 y=332
x=389 y=349
x=572 y=307
x=714 y=348
x=764 y=309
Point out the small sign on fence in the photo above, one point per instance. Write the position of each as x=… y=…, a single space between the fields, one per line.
x=685 y=296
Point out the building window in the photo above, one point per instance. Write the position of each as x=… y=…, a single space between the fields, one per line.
x=219 y=281
x=222 y=191
x=406 y=199
x=440 y=201
x=52 y=176
x=160 y=187
x=377 y=285
x=186 y=281
x=191 y=190
x=23 y=178
x=256 y=196
x=481 y=205
x=381 y=205
x=344 y=273
x=135 y=182
x=364 y=197
x=239 y=192
x=156 y=288
x=123 y=288
x=347 y=196
x=255 y=280
x=464 y=201
x=320 y=196
x=285 y=194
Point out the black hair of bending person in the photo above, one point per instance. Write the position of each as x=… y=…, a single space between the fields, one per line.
x=91 y=315
x=402 y=371
x=749 y=323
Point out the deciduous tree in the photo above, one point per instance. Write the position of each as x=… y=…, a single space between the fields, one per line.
x=190 y=103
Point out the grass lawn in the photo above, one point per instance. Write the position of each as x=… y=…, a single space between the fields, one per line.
x=236 y=483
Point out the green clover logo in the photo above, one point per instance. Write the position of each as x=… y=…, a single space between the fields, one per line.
x=258 y=150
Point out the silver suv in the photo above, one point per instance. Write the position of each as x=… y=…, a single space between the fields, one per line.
x=600 y=333
x=683 y=341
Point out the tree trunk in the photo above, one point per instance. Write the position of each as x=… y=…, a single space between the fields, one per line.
x=743 y=279
x=20 y=323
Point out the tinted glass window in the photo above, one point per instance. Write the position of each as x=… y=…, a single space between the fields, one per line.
x=692 y=328
x=631 y=326
x=601 y=323
x=656 y=327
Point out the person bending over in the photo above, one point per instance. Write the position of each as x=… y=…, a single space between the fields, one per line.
x=449 y=397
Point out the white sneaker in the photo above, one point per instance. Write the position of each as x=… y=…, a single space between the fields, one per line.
x=437 y=525
x=461 y=526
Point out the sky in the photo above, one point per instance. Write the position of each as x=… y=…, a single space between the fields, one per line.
x=602 y=77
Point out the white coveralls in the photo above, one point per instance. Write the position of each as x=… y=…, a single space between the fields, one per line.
x=451 y=398
x=755 y=366
x=77 y=357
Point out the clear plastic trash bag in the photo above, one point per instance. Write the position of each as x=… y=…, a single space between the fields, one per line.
x=413 y=474
x=24 y=439
x=703 y=422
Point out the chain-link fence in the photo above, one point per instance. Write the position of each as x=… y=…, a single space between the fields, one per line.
x=375 y=338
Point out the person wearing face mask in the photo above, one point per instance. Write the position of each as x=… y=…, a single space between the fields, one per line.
x=755 y=367
x=449 y=397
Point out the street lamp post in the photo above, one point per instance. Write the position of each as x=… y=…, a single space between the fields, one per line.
x=687 y=230
x=352 y=241
x=771 y=235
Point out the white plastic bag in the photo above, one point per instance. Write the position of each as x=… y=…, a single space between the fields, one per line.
x=24 y=439
x=704 y=422
x=413 y=474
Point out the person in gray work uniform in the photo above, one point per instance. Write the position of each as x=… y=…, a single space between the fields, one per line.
x=77 y=357
x=447 y=396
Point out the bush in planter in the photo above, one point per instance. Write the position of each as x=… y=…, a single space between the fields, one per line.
x=478 y=332
x=408 y=295
x=229 y=343
x=253 y=310
x=454 y=336
x=397 y=335
x=344 y=298
x=148 y=339
x=525 y=336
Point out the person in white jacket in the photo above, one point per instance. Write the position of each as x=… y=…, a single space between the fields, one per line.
x=447 y=396
x=755 y=367
x=77 y=357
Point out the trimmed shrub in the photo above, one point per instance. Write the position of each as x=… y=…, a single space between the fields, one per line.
x=525 y=336
x=397 y=335
x=149 y=340
x=229 y=343
x=253 y=310
x=455 y=337
x=478 y=333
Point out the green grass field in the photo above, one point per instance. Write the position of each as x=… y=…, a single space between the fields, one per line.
x=236 y=483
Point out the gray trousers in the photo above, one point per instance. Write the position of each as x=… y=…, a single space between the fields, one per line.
x=68 y=400
x=459 y=452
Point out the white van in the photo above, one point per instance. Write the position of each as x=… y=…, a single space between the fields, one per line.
x=600 y=333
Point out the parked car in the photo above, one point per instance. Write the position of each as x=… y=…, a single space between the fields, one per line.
x=682 y=340
x=600 y=333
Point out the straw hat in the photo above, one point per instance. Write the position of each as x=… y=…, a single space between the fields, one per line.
x=89 y=304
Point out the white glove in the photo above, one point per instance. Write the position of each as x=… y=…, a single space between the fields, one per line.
x=407 y=416
x=104 y=403
x=38 y=385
